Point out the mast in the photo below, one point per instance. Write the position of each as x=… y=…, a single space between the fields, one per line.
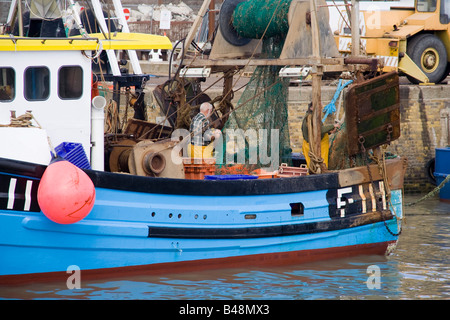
x=355 y=28
x=19 y=15
x=315 y=128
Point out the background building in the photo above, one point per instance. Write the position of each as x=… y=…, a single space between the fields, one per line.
x=133 y=4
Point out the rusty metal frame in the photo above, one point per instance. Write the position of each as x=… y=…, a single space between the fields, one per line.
x=372 y=113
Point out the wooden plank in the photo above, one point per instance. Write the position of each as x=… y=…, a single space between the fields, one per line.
x=196 y=24
x=395 y=168
x=12 y=14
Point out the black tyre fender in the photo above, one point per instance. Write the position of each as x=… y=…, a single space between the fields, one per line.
x=429 y=169
x=423 y=45
x=226 y=25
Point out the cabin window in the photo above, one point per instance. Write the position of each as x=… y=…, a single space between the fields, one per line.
x=7 y=84
x=70 y=82
x=445 y=12
x=426 y=5
x=37 y=83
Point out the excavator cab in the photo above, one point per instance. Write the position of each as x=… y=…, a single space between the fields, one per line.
x=426 y=5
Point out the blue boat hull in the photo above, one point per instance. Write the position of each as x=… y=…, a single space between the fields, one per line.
x=442 y=171
x=149 y=225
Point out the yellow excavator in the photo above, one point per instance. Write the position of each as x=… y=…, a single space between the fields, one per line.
x=414 y=41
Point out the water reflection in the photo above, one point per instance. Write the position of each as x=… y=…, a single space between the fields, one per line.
x=418 y=269
x=423 y=253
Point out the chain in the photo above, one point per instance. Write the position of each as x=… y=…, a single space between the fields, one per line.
x=387 y=227
x=361 y=141
x=389 y=130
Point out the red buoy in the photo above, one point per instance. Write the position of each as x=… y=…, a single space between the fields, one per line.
x=66 y=194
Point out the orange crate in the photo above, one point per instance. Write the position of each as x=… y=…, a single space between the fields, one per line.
x=267 y=176
x=263 y=174
x=198 y=168
x=285 y=171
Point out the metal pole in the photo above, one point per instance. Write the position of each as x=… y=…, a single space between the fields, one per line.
x=211 y=18
x=19 y=14
x=355 y=28
x=315 y=133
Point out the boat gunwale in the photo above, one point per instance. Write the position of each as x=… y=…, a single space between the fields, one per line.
x=157 y=185
x=241 y=187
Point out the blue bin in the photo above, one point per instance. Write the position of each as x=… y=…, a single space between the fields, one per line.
x=74 y=153
x=231 y=177
x=442 y=160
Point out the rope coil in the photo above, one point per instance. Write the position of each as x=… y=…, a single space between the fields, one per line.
x=23 y=120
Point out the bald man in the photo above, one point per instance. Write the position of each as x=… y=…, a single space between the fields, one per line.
x=201 y=145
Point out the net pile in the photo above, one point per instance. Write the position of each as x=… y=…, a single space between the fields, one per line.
x=262 y=116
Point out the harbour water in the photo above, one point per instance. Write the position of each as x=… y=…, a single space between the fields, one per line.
x=419 y=268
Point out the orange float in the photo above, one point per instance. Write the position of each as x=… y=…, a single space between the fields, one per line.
x=66 y=194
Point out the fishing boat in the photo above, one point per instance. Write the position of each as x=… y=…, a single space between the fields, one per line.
x=123 y=205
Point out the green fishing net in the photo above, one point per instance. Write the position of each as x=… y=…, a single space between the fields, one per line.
x=256 y=134
x=253 y=19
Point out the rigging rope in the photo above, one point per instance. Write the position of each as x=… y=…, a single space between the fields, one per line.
x=330 y=108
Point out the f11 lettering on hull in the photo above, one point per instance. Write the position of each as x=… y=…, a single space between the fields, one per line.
x=357 y=199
